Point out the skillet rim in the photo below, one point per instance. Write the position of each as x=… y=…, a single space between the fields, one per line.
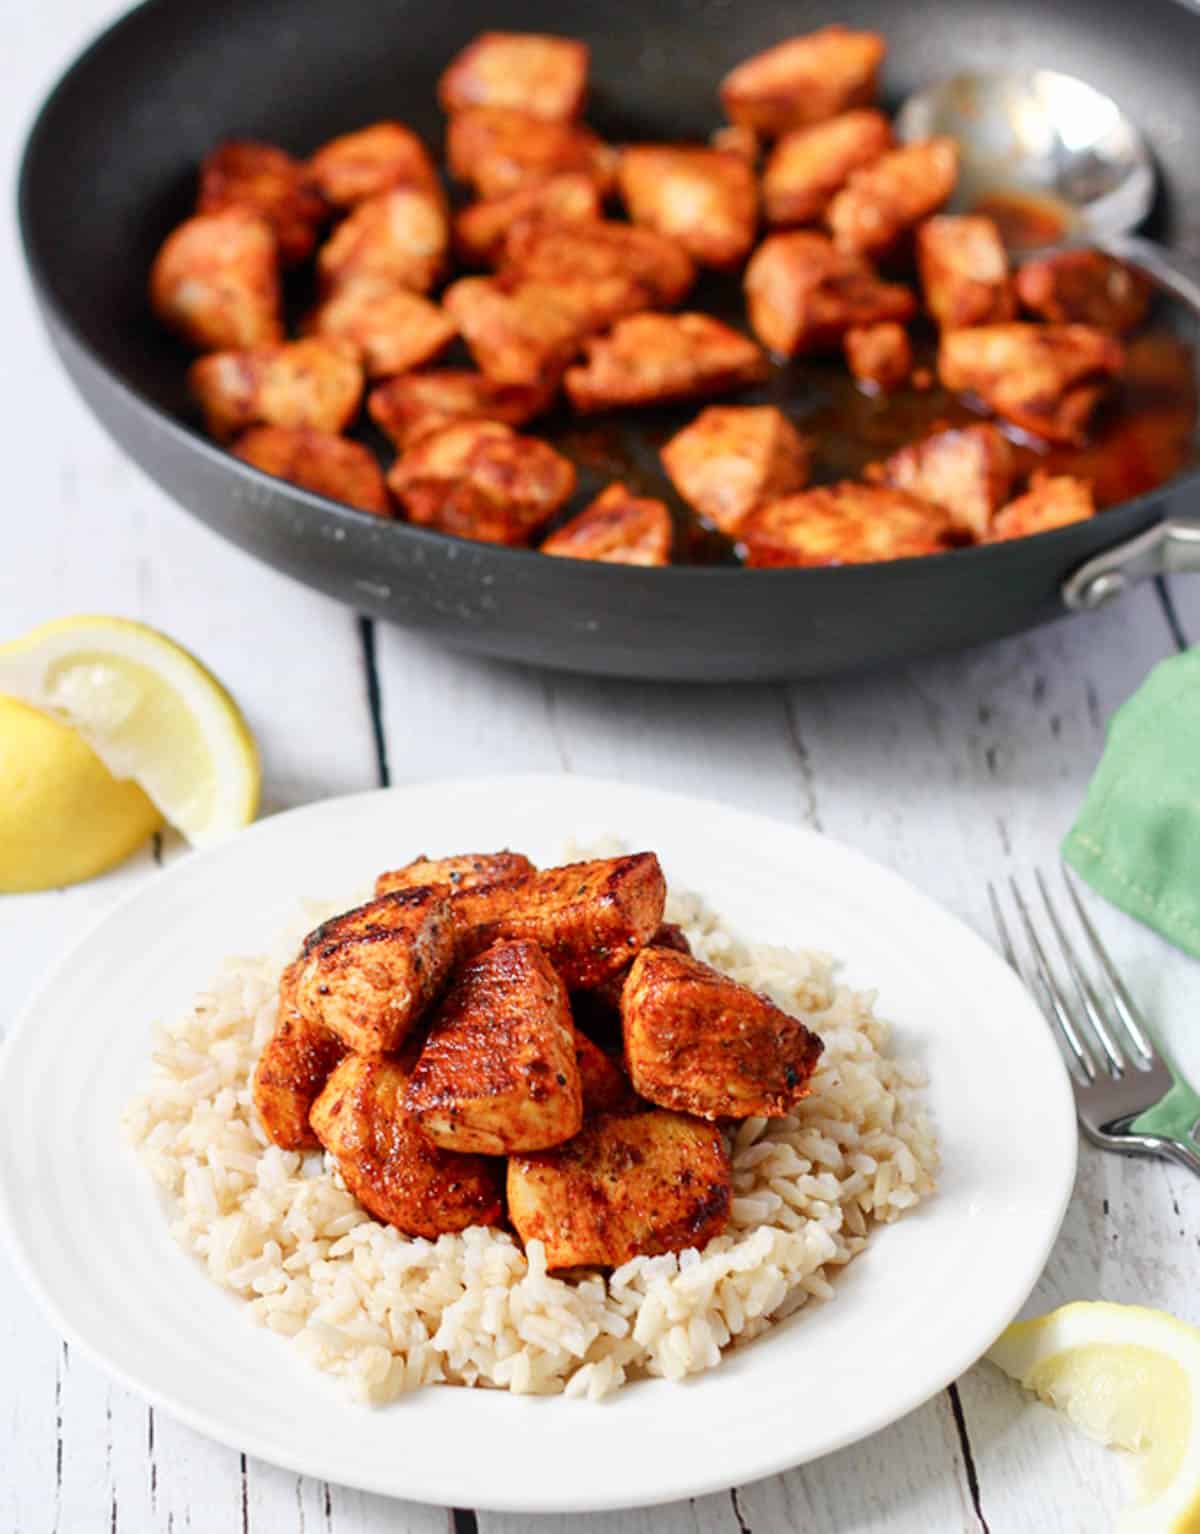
x=189 y=438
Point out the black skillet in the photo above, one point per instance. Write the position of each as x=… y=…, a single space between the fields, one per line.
x=109 y=168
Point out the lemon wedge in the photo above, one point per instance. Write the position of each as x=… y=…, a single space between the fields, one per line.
x=150 y=711
x=1129 y=1377
x=63 y=816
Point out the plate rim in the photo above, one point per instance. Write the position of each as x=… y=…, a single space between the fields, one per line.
x=274 y=1451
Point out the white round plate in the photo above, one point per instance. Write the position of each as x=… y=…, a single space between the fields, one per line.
x=917 y=1308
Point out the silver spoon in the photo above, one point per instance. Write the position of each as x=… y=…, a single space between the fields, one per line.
x=1051 y=157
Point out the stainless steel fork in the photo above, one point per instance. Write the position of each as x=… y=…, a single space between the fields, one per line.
x=1128 y=1095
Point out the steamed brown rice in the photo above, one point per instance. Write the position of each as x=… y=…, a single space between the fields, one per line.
x=388 y=1313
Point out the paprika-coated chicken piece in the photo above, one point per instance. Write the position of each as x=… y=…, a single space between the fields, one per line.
x=604 y=1085
x=394 y=1171
x=964 y=271
x=628 y=1185
x=497 y=150
x=844 y=524
x=706 y=199
x=598 y=252
x=245 y=174
x=733 y=457
x=498 y=1071
x=534 y=72
x=315 y=383
x=803 y=294
x=967 y=470
x=1047 y=379
x=808 y=165
x=1052 y=500
x=804 y=80
x=355 y=166
x=589 y=918
x=608 y=992
x=618 y=528
x=369 y=974
x=317 y=461
x=409 y=408
x=1085 y=287
x=883 y=201
x=465 y=871
x=525 y=332
x=215 y=281
x=480 y=480
x=480 y=231
x=649 y=358
x=737 y=138
x=400 y=238
x=292 y=1070
x=880 y=357
x=700 y=1043
x=391 y=329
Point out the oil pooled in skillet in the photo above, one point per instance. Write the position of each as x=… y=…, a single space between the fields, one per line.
x=1141 y=438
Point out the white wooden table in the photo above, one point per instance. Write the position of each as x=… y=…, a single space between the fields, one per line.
x=951 y=771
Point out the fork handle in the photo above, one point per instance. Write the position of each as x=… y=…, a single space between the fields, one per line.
x=1151 y=1145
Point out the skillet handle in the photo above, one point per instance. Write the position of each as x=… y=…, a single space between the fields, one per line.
x=1173 y=547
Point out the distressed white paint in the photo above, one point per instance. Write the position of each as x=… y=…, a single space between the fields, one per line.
x=952 y=771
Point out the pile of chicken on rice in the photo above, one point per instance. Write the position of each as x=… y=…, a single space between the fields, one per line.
x=486 y=1043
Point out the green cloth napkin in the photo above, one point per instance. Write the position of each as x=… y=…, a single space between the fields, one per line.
x=1137 y=838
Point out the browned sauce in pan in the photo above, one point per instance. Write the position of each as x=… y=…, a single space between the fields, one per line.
x=1027 y=219
x=1141 y=438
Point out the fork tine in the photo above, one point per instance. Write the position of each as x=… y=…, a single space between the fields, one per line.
x=1122 y=1001
x=1002 y=929
x=1058 y=1003
x=1083 y=987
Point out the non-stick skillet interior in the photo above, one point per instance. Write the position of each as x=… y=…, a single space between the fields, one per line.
x=113 y=166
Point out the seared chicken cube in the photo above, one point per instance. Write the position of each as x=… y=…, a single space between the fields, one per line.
x=1085 y=287
x=215 y=281
x=734 y=457
x=803 y=294
x=628 y=1185
x=244 y=174
x=618 y=528
x=604 y=1084
x=294 y=1066
x=317 y=461
x=700 y=1043
x=392 y=329
x=882 y=202
x=707 y=199
x=579 y=255
x=464 y=872
x=737 y=138
x=649 y=358
x=1052 y=500
x=808 y=165
x=879 y=356
x=843 y=524
x=316 y=384
x=1047 y=379
x=968 y=471
x=498 y=150
x=480 y=480
x=607 y=995
x=370 y=973
x=481 y=230
x=388 y=1164
x=590 y=918
x=527 y=332
x=407 y=409
x=804 y=80
x=358 y=165
x=397 y=239
x=534 y=72
x=498 y=1071
x=964 y=271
